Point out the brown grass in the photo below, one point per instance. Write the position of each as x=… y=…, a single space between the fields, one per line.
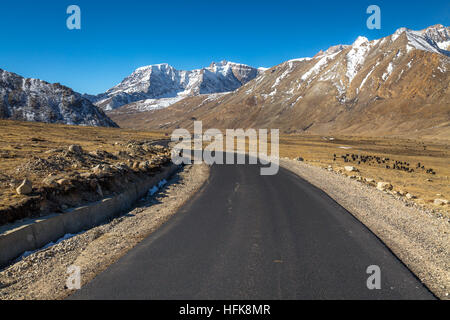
x=21 y=141
x=436 y=155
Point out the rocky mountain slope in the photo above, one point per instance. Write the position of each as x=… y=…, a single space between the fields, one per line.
x=398 y=85
x=36 y=100
x=162 y=81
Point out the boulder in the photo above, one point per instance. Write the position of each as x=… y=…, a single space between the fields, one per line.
x=75 y=148
x=144 y=165
x=441 y=202
x=101 y=168
x=50 y=181
x=97 y=169
x=136 y=165
x=410 y=196
x=350 y=169
x=63 y=182
x=25 y=188
x=384 y=186
x=86 y=175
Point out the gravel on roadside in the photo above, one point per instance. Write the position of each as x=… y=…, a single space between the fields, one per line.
x=43 y=274
x=419 y=238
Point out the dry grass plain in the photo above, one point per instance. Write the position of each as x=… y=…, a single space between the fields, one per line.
x=426 y=187
x=21 y=142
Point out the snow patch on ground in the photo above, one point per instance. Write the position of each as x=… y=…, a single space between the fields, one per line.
x=157 y=187
x=48 y=245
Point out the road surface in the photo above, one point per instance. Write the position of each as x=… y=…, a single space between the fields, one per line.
x=246 y=236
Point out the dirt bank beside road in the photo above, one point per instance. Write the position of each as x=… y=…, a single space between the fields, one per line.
x=43 y=274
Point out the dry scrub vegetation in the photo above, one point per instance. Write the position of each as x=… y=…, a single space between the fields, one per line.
x=41 y=153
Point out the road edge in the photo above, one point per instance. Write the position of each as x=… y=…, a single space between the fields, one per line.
x=390 y=228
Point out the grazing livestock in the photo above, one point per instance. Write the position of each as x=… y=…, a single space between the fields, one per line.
x=384 y=162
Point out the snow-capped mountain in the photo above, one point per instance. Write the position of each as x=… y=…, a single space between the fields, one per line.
x=37 y=100
x=395 y=85
x=162 y=81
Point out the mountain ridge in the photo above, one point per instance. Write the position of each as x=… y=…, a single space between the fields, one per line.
x=162 y=81
x=30 y=99
x=394 y=85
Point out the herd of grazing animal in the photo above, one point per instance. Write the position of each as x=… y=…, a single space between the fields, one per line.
x=384 y=162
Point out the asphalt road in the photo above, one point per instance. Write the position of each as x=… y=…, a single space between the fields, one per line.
x=246 y=236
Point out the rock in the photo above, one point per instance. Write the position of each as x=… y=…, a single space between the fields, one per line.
x=63 y=182
x=86 y=175
x=135 y=165
x=383 y=186
x=25 y=188
x=75 y=148
x=97 y=169
x=101 y=168
x=144 y=165
x=350 y=169
x=121 y=167
x=121 y=153
x=368 y=180
x=410 y=196
x=441 y=202
x=50 y=182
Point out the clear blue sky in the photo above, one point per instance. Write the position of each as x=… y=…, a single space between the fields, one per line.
x=119 y=36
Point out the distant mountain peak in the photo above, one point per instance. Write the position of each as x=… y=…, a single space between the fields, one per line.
x=221 y=63
x=162 y=81
x=433 y=39
x=159 y=66
x=360 y=41
x=394 y=85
